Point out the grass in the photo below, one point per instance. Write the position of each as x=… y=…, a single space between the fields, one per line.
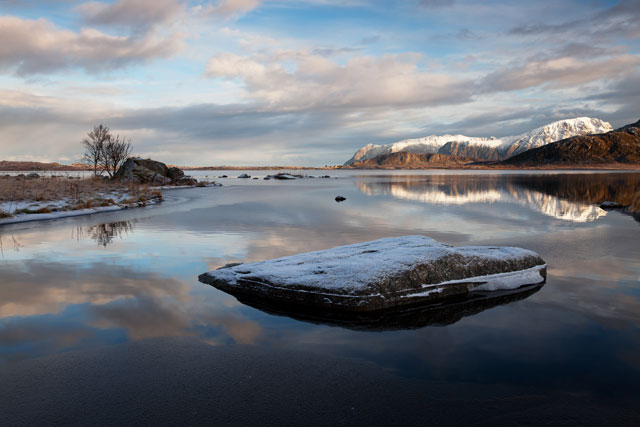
x=76 y=194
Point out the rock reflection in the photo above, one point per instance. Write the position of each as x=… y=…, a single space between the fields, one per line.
x=440 y=314
x=570 y=197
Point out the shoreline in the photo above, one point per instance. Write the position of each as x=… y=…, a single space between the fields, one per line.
x=469 y=166
x=34 y=217
x=604 y=167
x=600 y=167
x=61 y=214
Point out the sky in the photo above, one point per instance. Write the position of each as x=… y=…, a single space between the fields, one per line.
x=304 y=82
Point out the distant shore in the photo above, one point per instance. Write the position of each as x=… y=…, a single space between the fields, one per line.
x=615 y=166
x=6 y=166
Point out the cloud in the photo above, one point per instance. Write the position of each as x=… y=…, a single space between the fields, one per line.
x=623 y=95
x=228 y=8
x=137 y=16
x=38 y=47
x=622 y=19
x=558 y=72
x=317 y=82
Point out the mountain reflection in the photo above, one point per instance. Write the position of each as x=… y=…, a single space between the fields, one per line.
x=440 y=314
x=570 y=197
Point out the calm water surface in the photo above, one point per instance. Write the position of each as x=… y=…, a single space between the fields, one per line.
x=69 y=287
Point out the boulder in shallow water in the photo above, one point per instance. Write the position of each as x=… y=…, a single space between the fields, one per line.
x=152 y=172
x=286 y=176
x=381 y=274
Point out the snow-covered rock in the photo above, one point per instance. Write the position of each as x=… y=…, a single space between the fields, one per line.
x=487 y=148
x=381 y=274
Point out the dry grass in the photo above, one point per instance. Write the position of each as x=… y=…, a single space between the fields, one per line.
x=50 y=189
x=78 y=193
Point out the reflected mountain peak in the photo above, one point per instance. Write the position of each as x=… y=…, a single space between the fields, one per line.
x=568 y=197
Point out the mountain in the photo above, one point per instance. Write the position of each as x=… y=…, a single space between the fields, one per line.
x=619 y=146
x=407 y=160
x=488 y=149
x=630 y=128
x=427 y=145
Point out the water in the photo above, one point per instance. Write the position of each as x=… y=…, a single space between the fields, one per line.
x=97 y=283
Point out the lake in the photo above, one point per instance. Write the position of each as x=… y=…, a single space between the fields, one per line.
x=103 y=319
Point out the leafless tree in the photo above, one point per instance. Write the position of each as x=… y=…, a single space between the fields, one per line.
x=94 y=146
x=115 y=151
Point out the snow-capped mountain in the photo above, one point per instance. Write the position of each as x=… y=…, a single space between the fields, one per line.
x=487 y=148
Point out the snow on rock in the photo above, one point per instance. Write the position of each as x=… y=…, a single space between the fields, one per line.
x=553 y=132
x=381 y=274
x=491 y=148
x=426 y=145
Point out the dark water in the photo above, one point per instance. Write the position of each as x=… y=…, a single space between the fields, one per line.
x=78 y=294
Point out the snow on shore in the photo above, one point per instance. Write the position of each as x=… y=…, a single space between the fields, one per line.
x=56 y=210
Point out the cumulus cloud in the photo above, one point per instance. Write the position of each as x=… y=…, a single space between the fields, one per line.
x=317 y=82
x=134 y=15
x=37 y=46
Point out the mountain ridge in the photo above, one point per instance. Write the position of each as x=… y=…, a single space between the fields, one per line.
x=618 y=146
x=486 y=149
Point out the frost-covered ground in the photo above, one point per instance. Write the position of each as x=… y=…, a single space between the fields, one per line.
x=30 y=210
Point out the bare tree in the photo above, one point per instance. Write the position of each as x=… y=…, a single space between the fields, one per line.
x=115 y=151
x=94 y=146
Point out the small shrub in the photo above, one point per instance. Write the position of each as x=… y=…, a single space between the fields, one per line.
x=157 y=194
x=4 y=214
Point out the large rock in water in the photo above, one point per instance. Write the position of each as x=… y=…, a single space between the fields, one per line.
x=381 y=274
x=147 y=171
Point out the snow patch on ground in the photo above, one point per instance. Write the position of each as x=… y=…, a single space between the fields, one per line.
x=57 y=206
